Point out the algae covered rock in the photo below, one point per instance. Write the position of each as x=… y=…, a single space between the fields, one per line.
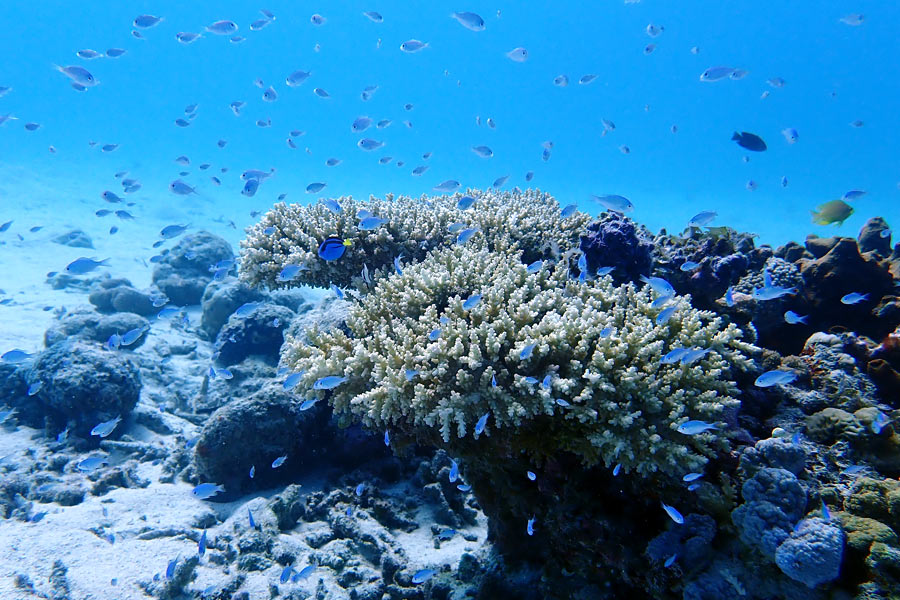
x=862 y=531
x=832 y=424
x=118 y=295
x=183 y=272
x=221 y=299
x=86 y=324
x=84 y=384
x=257 y=332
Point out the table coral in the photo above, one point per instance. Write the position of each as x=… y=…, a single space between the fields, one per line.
x=597 y=344
x=529 y=221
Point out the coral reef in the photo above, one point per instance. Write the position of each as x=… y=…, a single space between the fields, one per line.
x=620 y=405
x=527 y=221
x=723 y=257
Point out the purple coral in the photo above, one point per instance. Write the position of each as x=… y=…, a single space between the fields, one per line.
x=614 y=240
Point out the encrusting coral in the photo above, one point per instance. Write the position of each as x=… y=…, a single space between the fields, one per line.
x=529 y=221
x=420 y=359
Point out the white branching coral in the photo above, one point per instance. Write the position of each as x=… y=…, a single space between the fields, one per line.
x=417 y=360
x=528 y=221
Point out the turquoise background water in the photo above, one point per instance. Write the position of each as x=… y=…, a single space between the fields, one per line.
x=835 y=74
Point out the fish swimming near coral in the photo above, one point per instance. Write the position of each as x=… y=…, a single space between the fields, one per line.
x=832 y=212
x=333 y=248
x=776 y=377
x=695 y=427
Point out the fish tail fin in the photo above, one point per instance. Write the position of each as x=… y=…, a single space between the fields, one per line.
x=105 y=262
x=735 y=136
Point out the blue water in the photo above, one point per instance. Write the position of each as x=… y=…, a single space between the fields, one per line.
x=834 y=74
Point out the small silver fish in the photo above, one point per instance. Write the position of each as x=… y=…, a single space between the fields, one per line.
x=694 y=427
x=615 y=202
x=413 y=46
x=854 y=298
x=207 y=490
x=518 y=55
x=673 y=513
x=793 y=318
x=469 y=20
x=104 y=429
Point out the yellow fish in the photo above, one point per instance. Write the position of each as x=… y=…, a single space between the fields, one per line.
x=835 y=211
